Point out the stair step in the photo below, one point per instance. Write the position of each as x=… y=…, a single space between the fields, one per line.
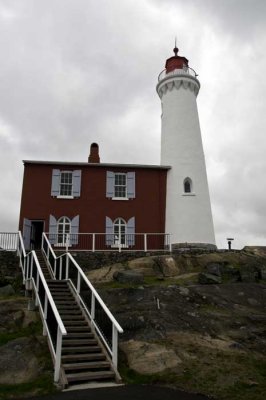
x=63 y=307
x=87 y=376
x=66 y=302
x=87 y=365
x=79 y=324
x=80 y=335
x=76 y=328
x=79 y=342
x=70 y=312
x=72 y=317
x=81 y=349
x=83 y=357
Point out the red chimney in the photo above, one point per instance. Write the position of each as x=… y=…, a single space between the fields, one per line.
x=94 y=154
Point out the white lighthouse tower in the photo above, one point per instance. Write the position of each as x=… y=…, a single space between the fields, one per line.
x=188 y=208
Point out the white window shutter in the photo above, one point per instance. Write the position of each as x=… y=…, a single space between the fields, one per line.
x=74 y=237
x=110 y=184
x=52 y=230
x=55 y=182
x=76 y=183
x=131 y=232
x=109 y=232
x=131 y=185
x=26 y=233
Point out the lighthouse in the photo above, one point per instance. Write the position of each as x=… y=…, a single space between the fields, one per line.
x=188 y=208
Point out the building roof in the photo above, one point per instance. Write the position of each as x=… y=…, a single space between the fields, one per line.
x=86 y=164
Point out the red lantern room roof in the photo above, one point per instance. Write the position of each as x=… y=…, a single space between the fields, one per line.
x=175 y=62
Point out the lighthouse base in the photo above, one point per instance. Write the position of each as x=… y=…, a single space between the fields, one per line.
x=186 y=246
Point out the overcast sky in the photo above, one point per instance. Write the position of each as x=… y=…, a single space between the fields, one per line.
x=73 y=72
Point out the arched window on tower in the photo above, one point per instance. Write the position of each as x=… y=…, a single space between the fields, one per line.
x=187 y=185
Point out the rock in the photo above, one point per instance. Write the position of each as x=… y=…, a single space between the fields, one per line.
x=144 y=265
x=128 y=277
x=183 y=291
x=166 y=266
x=207 y=279
x=104 y=274
x=149 y=358
x=230 y=273
x=7 y=290
x=214 y=269
x=252 y=302
x=19 y=362
x=262 y=272
x=249 y=273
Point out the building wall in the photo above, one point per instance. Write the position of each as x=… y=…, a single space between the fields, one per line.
x=148 y=207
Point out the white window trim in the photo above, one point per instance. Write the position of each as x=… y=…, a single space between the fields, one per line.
x=120 y=198
x=64 y=197
x=189 y=194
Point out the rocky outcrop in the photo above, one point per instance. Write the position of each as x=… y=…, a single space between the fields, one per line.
x=149 y=358
x=132 y=277
x=20 y=360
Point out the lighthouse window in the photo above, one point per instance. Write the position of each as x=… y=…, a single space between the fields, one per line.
x=187 y=185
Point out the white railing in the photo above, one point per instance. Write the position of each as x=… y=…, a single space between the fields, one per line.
x=111 y=242
x=65 y=267
x=8 y=241
x=53 y=325
x=178 y=71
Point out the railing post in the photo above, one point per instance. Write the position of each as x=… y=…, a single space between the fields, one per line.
x=42 y=241
x=78 y=283
x=67 y=267
x=93 y=242
x=58 y=355
x=45 y=313
x=92 y=306
x=60 y=268
x=55 y=266
x=145 y=241
x=31 y=266
x=114 y=345
x=67 y=242
x=170 y=243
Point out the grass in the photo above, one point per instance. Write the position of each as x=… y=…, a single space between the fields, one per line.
x=34 y=329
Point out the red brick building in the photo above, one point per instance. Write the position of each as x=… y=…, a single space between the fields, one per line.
x=117 y=200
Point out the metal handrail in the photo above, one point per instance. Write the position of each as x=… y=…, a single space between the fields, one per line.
x=178 y=71
x=116 y=328
x=89 y=241
x=27 y=268
x=96 y=294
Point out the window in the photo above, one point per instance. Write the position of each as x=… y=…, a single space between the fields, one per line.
x=59 y=229
x=119 y=232
x=66 y=184
x=120 y=185
x=63 y=229
x=187 y=185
